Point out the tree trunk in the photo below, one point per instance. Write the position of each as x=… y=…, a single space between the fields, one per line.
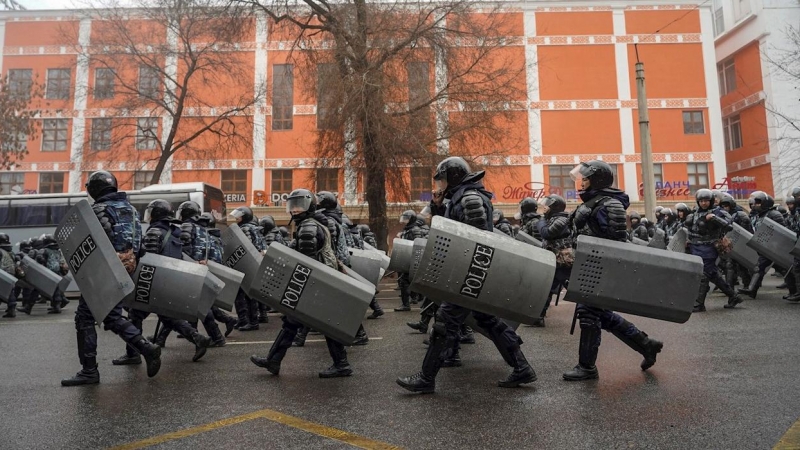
x=162 y=162
x=376 y=189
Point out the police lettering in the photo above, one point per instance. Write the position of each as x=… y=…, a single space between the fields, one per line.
x=237 y=255
x=144 y=283
x=296 y=285
x=81 y=253
x=478 y=269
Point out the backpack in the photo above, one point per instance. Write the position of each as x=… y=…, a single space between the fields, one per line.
x=171 y=244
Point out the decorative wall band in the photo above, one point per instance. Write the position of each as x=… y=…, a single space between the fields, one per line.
x=748 y=163
x=655 y=103
x=744 y=103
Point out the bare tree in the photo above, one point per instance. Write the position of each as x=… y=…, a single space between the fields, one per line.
x=20 y=106
x=402 y=84
x=172 y=77
x=10 y=5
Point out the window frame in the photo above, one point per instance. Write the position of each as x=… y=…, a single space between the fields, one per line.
x=726 y=75
x=420 y=183
x=564 y=170
x=235 y=187
x=143 y=140
x=141 y=179
x=106 y=134
x=729 y=124
x=325 y=182
x=282 y=97
x=692 y=176
x=51 y=182
x=326 y=107
x=55 y=140
x=20 y=88
x=153 y=89
x=104 y=85
x=281 y=180
x=12 y=176
x=56 y=89
x=692 y=123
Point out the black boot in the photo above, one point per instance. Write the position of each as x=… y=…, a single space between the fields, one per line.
x=794 y=275
x=422 y=325
x=276 y=353
x=130 y=358
x=151 y=353
x=201 y=344
x=424 y=381
x=217 y=340
x=340 y=367
x=523 y=373
x=467 y=335
x=161 y=339
x=405 y=299
x=587 y=356
x=454 y=360
x=377 y=311
x=755 y=283
x=538 y=323
x=87 y=375
x=262 y=313
x=27 y=308
x=10 y=312
x=361 y=337
x=641 y=343
x=300 y=338
x=700 y=301
x=733 y=298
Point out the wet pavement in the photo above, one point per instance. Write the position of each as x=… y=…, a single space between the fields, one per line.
x=726 y=379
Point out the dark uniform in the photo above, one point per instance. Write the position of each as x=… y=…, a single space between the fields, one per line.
x=8 y=263
x=313 y=240
x=50 y=257
x=501 y=223
x=470 y=203
x=793 y=276
x=246 y=307
x=120 y=221
x=207 y=220
x=27 y=296
x=412 y=230
x=637 y=230
x=602 y=214
x=734 y=270
x=368 y=235
x=529 y=216
x=763 y=207
x=556 y=234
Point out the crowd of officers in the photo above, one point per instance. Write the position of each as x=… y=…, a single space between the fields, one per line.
x=324 y=233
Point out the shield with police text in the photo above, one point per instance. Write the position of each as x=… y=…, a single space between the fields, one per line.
x=418 y=250
x=7 y=284
x=367 y=263
x=314 y=294
x=402 y=255
x=677 y=243
x=232 y=280
x=740 y=251
x=240 y=254
x=634 y=279
x=775 y=242
x=659 y=240
x=92 y=260
x=172 y=287
x=528 y=239
x=484 y=272
x=43 y=279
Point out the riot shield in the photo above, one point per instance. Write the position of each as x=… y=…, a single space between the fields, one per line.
x=232 y=280
x=240 y=254
x=92 y=260
x=774 y=242
x=796 y=250
x=638 y=241
x=484 y=272
x=741 y=252
x=367 y=264
x=677 y=243
x=313 y=293
x=495 y=230
x=418 y=250
x=634 y=279
x=384 y=259
x=354 y=275
x=172 y=287
x=528 y=239
x=659 y=240
x=7 y=284
x=402 y=255
x=43 y=279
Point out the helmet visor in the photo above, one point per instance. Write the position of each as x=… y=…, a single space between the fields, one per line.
x=148 y=213
x=237 y=214
x=441 y=185
x=580 y=172
x=405 y=218
x=426 y=212
x=298 y=205
x=518 y=216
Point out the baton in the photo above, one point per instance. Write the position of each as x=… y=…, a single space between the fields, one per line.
x=574 y=319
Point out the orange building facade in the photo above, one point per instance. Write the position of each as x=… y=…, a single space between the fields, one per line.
x=579 y=58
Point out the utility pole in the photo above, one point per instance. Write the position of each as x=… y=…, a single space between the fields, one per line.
x=644 y=141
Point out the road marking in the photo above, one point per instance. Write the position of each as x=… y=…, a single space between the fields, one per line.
x=271 y=415
x=307 y=341
x=790 y=439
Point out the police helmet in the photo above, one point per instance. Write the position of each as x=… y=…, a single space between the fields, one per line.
x=704 y=194
x=267 y=224
x=101 y=183
x=158 y=209
x=452 y=170
x=244 y=213
x=599 y=174
x=555 y=203
x=327 y=200
x=408 y=216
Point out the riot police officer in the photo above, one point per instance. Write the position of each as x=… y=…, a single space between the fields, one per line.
x=602 y=214
x=120 y=221
x=707 y=226
x=682 y=211
x=355 y=233
x=28 y=296
x=791 y=207
x=313 y=240
x=247 y=308
x=793 y=276
x=270 y=231
x=637 y=230
x=469 y=203
x=8 y=264
x=411 y=230
x=529 y=216
x=208 y=221
x=50 y=257
x=501 y=223
x=164 y=237
x=733 y=269
x=368 y=235
x=763 y=207
x=670 y=224
x=556 y=233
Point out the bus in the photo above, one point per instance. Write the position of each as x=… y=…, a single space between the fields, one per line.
x=27 y=216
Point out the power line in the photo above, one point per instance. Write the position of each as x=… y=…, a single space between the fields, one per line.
x=697 y=7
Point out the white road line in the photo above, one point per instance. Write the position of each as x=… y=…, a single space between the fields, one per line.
x=307 y=341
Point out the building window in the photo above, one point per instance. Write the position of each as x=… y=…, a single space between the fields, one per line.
x=418 y=91
x=326 y=96
x=51 y=183
x=58 y=81
x=104 y=83
x=282 y=96
x=11 y=182
x=741 y=9
x=693 y=122
x=281 y=181
x=15 y=142
x=142 y=179
x=101 y=134
x=719 y=18
x=54 y=135
x=726 y=72
x=697 y=174
x=658 y=173
x=421 y=183
x=328 y=180
x=234 y=181
x=146 y=130
x=20 y=82
x=560 y=180
x=732 y=129
x=149 y=82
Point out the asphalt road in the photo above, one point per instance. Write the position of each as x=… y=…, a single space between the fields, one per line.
x=726 y=379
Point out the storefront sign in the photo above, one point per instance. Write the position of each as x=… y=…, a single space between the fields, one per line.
x=738 y=187
x=536 y=190
x=236 y=197
x=667 y=189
